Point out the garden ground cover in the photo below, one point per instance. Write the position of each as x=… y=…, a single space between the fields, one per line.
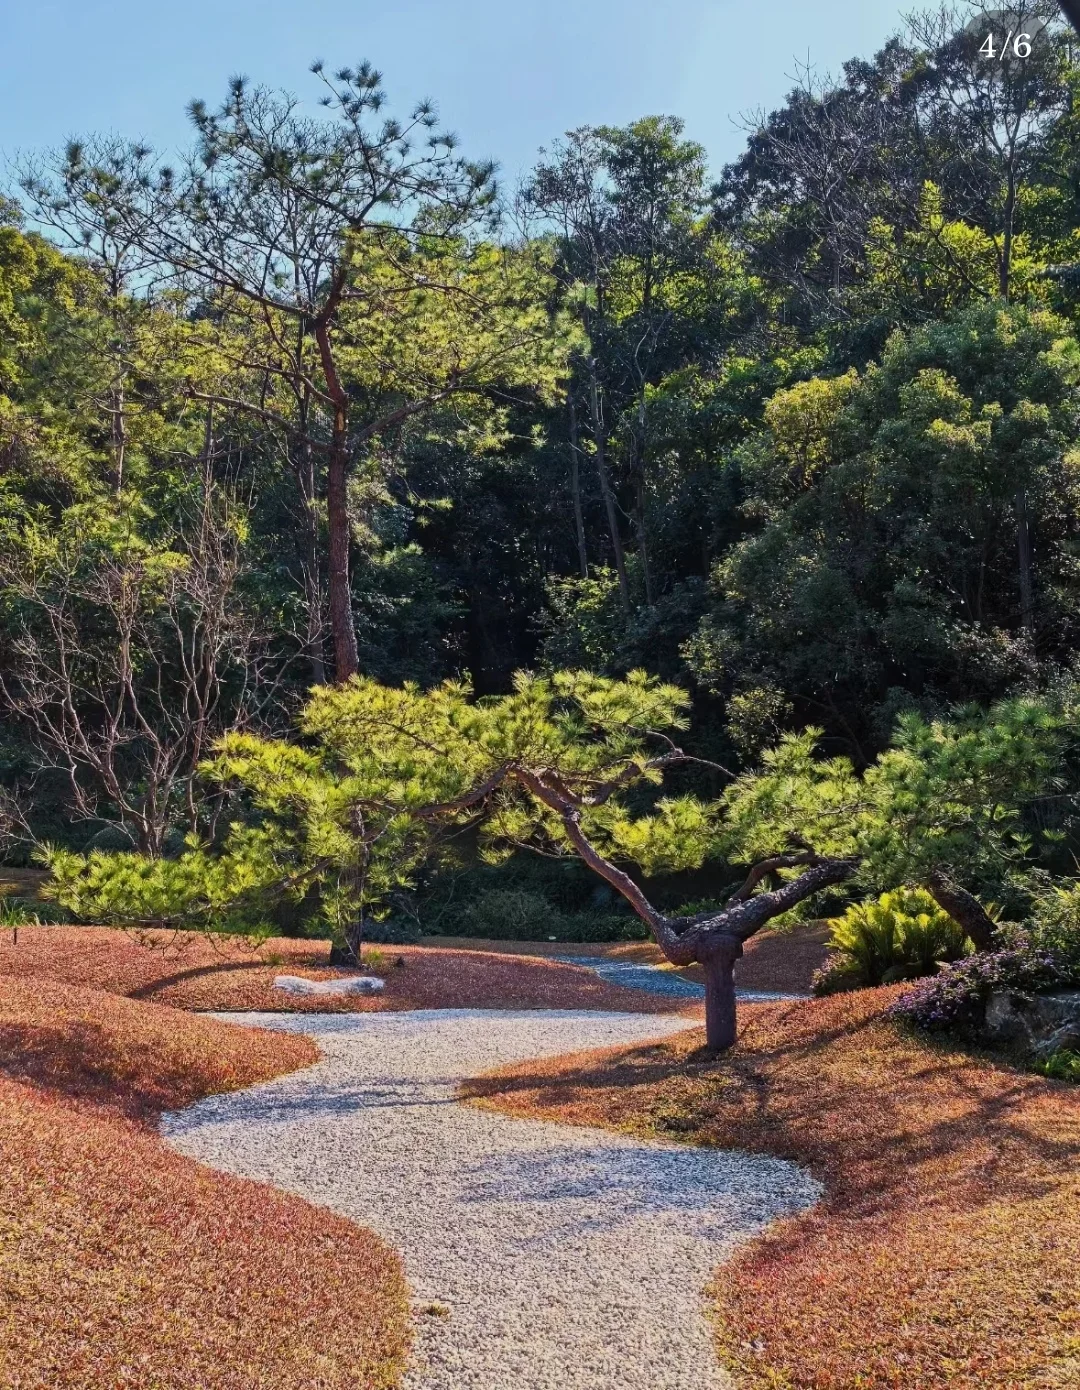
x=780 y=961
x=947 y=1249
x=190 y=970
x=123 y=1263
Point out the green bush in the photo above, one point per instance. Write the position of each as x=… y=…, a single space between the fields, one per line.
x=506 y=914
x=838 y=975
x=20 y=912
x=1055 y=924
x=1062 y=1066
x=510 y=915
x=901 y=935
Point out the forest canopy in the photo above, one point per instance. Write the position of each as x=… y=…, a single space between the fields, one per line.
x=323 y=402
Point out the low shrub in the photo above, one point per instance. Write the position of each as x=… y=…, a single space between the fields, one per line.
x=603 y=926
x=20 y=912
x=515 y=915
x=1043 y=954
x=509 y=914
x=1055 y=925
x=955 y=999
x=838 y=975
x=898 y=936
x=1062 y=1066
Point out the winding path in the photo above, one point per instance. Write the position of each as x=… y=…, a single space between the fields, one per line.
x=541 y=1257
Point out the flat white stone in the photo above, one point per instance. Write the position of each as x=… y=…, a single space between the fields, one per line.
x=351 y=984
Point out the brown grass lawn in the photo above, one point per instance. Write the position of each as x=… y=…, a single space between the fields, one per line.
x=125 y=1264
x=947 y=1249
x=773 y=960
x=192 y=971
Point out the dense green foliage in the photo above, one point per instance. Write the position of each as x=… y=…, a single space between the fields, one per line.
x=896 y=936
x=784 y=466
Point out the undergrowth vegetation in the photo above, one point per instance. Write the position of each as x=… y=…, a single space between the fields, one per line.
x=899 y=935
x=1042 y=954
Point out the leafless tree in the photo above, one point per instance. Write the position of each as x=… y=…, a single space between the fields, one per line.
x=993 y=112
x=125 y=660
x=814 y=174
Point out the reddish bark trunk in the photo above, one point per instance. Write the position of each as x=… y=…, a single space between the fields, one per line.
x=346 y=655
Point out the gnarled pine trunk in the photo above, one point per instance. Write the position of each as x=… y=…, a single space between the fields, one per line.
x=964 y=908
x=720 y=1016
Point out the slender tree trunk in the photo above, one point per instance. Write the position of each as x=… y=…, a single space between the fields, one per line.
x=118 y=408
x=354 y=939
x=575 y=487
x=605 y=487
x=117 y=394
x=346 y=655
x=643 y=546
x=639 y=471
x=1023 y=545
x=312 y=560
x=303 y=462
x=1008 y=219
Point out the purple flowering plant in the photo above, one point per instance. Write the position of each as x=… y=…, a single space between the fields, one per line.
x=955 y=998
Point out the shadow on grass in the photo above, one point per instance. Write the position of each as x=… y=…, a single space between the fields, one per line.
x=880 y=1118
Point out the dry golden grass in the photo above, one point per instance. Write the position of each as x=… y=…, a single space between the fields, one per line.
x=190 y=970
x=125 y=1264
x=128 y=1056
x=947 y=1249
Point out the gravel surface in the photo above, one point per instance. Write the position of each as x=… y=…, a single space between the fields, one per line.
x=541 y=1256
x=656 y=980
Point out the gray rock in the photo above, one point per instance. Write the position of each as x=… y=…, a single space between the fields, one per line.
x=1039 y=1024
x=352 y=984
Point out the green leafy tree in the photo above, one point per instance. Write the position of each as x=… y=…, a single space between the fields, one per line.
x=895 y=557
x=653 y=285
x=549 y=766
x=349 y=255
x=574 y=764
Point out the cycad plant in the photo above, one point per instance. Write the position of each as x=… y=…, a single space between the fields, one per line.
x=900 y=935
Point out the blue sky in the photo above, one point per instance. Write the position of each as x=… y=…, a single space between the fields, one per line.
x=508 y=75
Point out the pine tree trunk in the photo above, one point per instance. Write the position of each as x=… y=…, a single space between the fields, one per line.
x=346 y=654
x=355 y=939
x=575 y=487
x=720 y=1020
x=343 y=629
x=605 y=490
x=313 y=595
x=964 y=908
x=314 y=598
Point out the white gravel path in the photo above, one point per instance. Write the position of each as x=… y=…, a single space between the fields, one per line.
x=541 y=1256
